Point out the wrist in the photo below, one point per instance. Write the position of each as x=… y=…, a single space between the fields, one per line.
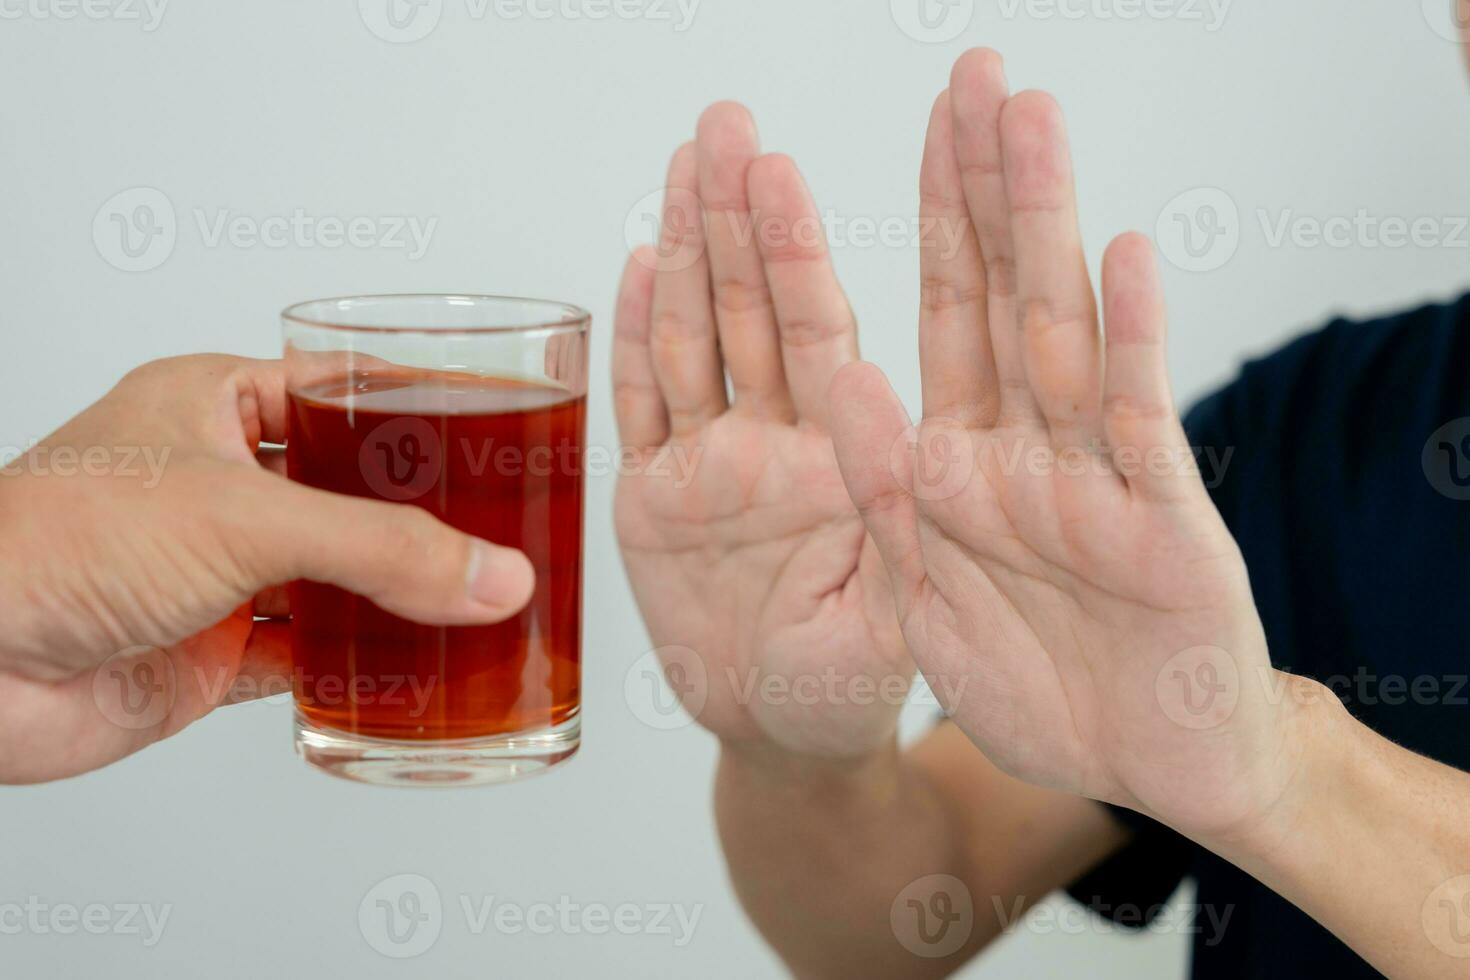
x=16 y=610
x=1316 y=742
x=773 y=766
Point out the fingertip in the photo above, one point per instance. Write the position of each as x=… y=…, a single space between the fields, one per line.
x=1132 y=290
x=638 y=271
x=1130 y=251
x=683 y=164
x=1032 y=113
x=940 y=108
x=772 y=168
x=1130 y=264
x=1034 y=145
x=500 y=581
x=978 y=65
x=727 y=143
x=979 y=92
x=940 y=132
x=724 y=121
x=941 y=124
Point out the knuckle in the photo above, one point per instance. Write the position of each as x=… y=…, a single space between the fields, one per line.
x=628 y=395
x=933 y=198
x=1128 y=408
x=941 y=294
x=409 y=538
x=1000 y=274
x=810 y=331
x=1043 y=321
x=983 y=169
x=163 y=367
x=733 y=295
x=671 y=323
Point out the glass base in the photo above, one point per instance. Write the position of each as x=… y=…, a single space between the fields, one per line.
x=464 y=762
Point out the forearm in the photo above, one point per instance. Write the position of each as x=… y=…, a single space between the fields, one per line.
x=1373 y=842
x=821 y=852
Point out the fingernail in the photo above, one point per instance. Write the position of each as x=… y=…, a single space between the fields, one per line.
x=497 y=576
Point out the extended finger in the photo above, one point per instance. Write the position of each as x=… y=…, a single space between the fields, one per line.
x=746 y=319
x=1058 y=310
x=818 y=332
x=958 y=371
x=686 y=353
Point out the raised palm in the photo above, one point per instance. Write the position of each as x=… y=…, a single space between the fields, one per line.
x=1054 y=553
x=754 y=573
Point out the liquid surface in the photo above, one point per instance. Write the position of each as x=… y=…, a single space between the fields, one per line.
x=499 y=459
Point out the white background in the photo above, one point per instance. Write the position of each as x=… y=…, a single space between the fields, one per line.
x=530 y=140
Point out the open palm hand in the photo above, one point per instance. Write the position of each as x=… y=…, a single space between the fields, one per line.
x=754 y=573
x=1049 y=538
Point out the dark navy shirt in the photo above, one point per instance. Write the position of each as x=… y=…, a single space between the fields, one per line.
x=1348 y=489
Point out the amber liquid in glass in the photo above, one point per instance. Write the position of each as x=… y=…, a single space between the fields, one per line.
x=499 y=459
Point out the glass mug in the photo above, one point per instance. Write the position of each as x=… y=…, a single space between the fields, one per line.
x=473 y=408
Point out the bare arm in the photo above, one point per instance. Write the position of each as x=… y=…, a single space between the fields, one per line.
x=1096 y=585
x=821 y=852
x=1403 y=820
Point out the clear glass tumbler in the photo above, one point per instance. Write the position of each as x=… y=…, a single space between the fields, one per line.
x=474 y=409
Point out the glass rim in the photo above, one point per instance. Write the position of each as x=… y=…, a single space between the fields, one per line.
x=572 y=317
